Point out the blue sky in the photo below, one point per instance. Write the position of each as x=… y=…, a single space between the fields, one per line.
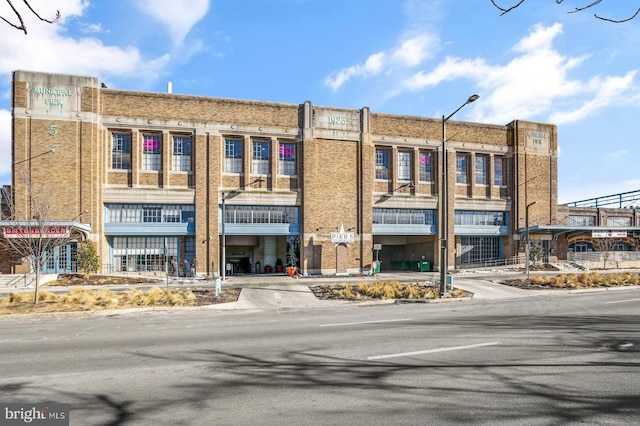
x=413 y=57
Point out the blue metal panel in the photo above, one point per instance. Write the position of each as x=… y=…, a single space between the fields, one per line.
x=155 y=229
x=261 y=229
x=485 y=230
x=389 y=229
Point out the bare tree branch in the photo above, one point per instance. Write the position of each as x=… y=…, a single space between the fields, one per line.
x=505 y=10
x=21 y=26
x=619 y=21
x=36 y=233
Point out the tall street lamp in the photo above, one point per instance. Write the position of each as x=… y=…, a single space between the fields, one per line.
x=444 y=206
x=526 y=248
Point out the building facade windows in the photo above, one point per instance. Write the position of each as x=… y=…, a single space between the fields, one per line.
x=382 y=164
x=142 y=254
x=425 y=166
x=260 y=160
x=618 y=221
x=480 y=218
x=403 y=216
x=404 y=165
x=478 y=249
x=461 y=168
x=181 y=153
x=261 y=214
x=582 y=220
x=140 y=213
x=482 y=162
x=499 y=167
x=233 y=155
x=121 y=151
x=287 y=159
x=151 y=152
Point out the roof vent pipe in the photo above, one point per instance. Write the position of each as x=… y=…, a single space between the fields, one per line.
x=169 y=87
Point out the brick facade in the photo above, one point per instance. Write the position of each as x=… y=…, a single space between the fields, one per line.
x=334 y=185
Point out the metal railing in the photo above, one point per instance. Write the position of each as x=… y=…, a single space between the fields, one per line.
x=25 y=279
x=493 y=263
x=608 y=256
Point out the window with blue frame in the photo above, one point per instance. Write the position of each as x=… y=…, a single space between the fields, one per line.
x=182 y=153
x=260 y=160
x=149 y=213
x=425 y=166
x=121 y=151
x=403 y=217
x=261 y=214
x=287 y=159
x=480 y=218
x=233 y=155
x=151 y=152
x=382 y=163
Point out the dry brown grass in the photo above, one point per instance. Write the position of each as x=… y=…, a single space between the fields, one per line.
x=382 y=290
x=81 y=299
x=582 y=281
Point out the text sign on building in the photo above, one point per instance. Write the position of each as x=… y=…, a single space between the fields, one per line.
x=36 y=232
x=337 y=120
x=342 y=236
x=608 y=234
x=537 y=139
x=55 y=99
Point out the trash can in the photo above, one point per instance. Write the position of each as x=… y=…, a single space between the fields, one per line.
x=424 y=266
x=376 y=266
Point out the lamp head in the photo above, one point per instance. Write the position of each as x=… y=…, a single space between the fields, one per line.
x=472 y=98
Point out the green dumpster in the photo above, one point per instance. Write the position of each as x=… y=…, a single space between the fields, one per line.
x=424 y=266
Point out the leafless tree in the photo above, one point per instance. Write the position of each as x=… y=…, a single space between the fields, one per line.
x=20 y=25
x=35 y=234
x=606 y=247
x=593 y=3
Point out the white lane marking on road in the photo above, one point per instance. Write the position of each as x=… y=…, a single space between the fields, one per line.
x=431 y=351
x=363 y=322
x=622 y=301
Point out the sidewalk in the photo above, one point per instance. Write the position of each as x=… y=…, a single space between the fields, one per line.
x=268 y=291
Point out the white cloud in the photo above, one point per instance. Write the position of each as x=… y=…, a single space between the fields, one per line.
x=410 y=53
x=531 y=84
x=414 y=51
x=50 y=48
x=608 y=90
x=373 y=65
x=178 y=16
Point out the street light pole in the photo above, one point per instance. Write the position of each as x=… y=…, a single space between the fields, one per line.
x=526 y=248
x=444 y=206
x=224 y=241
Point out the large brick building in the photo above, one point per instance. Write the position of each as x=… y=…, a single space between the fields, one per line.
x=148 y=176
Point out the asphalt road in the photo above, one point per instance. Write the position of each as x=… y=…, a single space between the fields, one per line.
x=545 y=360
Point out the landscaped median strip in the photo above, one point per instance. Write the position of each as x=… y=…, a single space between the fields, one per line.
x=432 y=351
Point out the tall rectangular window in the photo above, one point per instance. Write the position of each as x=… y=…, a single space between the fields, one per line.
x=121 y=151
x=260 y=161
x=461 y=168
x=151 y=152
x=182 y=153
x=404 y=165
x=287 y=159
x=499 y=164
x=482 y=162
x=425 y=166
x=233 y=156
x=382 y=164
